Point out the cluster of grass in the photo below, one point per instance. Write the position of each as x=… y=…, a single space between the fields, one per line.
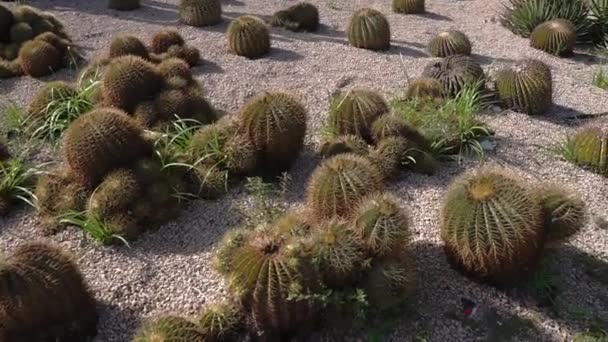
x=93 y=226
x=600 y=78
x=263 y=207
x=18 y=179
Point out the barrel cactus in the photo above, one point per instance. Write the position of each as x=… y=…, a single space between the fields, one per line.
x=565 y=212
x=26 y=14
x=335 y=145
x=424 y=88
x=21 y=32
x=275 y=123
x=222 y=321
x=170 y=328
x=339 y=183
x=389 y=125
x=6 y=21
x=299 y=17
x=354 y=112
x=9 y=69
x=39 y=58
x=44 y=297
x=390 y=282
x=164 y=39
x=526 y=87
x=556 y=37
x=449 y=43
x=454 y=72
x=100 y=141
x=408 y=6
x=389 y=156
x=588 y=148
x=248 y=36
x=200 y=12
x=124 y=5
x=124 y=45
x=189 y=54
x=118 y=190
x=369 y=29
x=492 y=225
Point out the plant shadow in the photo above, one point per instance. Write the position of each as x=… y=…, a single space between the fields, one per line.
x=283 y=55
x=434 y=16
x=116 y=323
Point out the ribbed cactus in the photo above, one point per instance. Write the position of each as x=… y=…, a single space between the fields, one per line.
x=169 y=328
x=208 y=181
x=232 y=241
x=118 y=190
x=589 y=148
x=390 y=282
x=175 y=67
x=423 y=88
x=369 y=29
x=389 y=125
x=449 y=43
x=335 y=145
x=408 y=6
x=339 y=183
x=565 y=212
x=299 y=17
x=492 y=225
x=556 y=37
x=354 y=112
x=189 y=54
x=526 y=87
x=39 y=58
x=44 y=297
x=275 y=123
x=200 y=12
x=222 y=321
x=124 y=5
x=389 y=156
x=101 y=141
x=164 y=39
x=125 y=45
x=248 y=36
x=454 y=72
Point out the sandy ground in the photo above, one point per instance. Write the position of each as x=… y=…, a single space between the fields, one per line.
x=169 y=270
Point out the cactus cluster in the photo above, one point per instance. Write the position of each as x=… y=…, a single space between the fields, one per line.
x=408 y=6
x=200 y=12
x=369 y=29
x=556 y=37
x=454 y=72
x=302 y=16
x=248 y=36
x=44 y=297
x=526 y=86
x=32 y=42
x=124 y=5
x=449 y=43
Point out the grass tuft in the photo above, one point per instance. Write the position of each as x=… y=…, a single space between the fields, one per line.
x=93 y=226
x=18 y=179
x=600 y=78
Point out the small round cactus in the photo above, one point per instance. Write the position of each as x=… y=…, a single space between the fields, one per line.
x=299 y=17
x=390 y=282
x=128 y=45
x=408 y=6
x=565 y=213
x=454 y=73
x=557 y=37
x=189 y=54
x=339 y=183
x=124 y=5
x=389 y=156
x=164 y=39
x=492 y=225
x=526 y=87
x=275 y=123
x=21 y=32
x=170 y=328
x=389 y=125
x=369 y=29
x=354 y=112
x=449 y=43
x=39 y=58
x=232 y=240
x=343 y=144
x=424 y=88
x=209 y=182
x=200 y=12
x=589 y=148
x=248 y=36
x=221 y=322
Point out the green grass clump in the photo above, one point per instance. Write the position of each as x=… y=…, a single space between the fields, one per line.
x=248 y=36
x=369 y=29
x=200 y=12
x=600 y=78
x=17 y=181
x=556 y=37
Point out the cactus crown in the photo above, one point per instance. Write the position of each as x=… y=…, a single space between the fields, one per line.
x=526 y=87
x=556 y=37
x=449 y=43
x=248 y=36
x=354 y=112
x=454 y=73
x=369 y=29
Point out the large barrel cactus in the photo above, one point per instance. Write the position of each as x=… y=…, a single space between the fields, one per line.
x=339 y=183
x=39 y=58
x=124 y=45
x=299 y=17
x=492 y=225
x=124 y=5
x=449 y=43
x=526 y=87
x=454 y=72
x=369 y=29
x=589 y=148
x=44 y=297
x=275 y=123
x=169 y=328
x=565 y=212
x=354 y=112
x=424 y=88
x=557 y=37
x=248 y=36
x=408 y=6
x=200 y=12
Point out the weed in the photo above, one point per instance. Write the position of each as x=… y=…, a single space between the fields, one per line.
x=333 y=4
x=172 y=145
x=17 y=179
x=14 y=118
x=93 y=226
x=600 y=78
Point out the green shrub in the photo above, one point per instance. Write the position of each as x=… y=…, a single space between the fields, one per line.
x=526 y=87
x=124 y=5
x=302 y=16
x=556 y=37
x=599 y=22
x=169 y=328
x=200 y=12
x=454 y=72
x=369 y=29
x=353 y=112
x=248 y=36
x=449 y=43
x=408 y=6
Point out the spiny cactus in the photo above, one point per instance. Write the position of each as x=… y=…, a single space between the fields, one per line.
x=354 y=112
x=339 y=183
x=169 y=328
x=44 y=297
x=556 y=37
x=492 y=225
x=129 y=80
x=382 y=224
x=449 y=43
x=21 y=32
x=369 y=29
x=26 y=14
x=164 y=39
x=118 y=190
x=209 y=182
x=125 y=45
x=222 y=321
x=148 y=170
x=200 y=12
x=39 y=58
x=389 y=156
x=408 y=6
x=6 y=21
x=189 y=54
x=11 y=51
x=565 y=213
x=299 y=17
x=42 y=26
x=232 y=241
x=10 y=69
x=423 y=88
x=275 y=123
x=248 y=36
x=101 y=141
x=124 y=5
x=589 y=148
x=175 y=67
x=335 y=145
x=390 y=282
x=526 y=87
x=454 y=72
x=295 y=223
x=51 y=91
x=389 y=125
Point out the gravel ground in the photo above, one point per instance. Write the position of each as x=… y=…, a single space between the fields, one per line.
x=169 y=270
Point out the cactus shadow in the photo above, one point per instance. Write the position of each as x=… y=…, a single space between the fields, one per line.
x=484 y=60
x=585 y=58
x=434 y=16
x=403 y=50
x=283 y=55
x=564 y=115
x=233 y=2
x=208 y=67
x=115 y=323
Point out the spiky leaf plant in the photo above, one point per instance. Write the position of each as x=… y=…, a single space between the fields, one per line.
x=389 y=156
x=125 y=45
x=454 y=72
x=390 y=282
x=390 y=125
x=248 y=36
x=369 y=29
x=556 y=37
x=164 y=39
x=302 y=16
x=129 y=80
x=334 y=145
x=275 y=123
x=17 y=180
x=39 y=58
x=423 y=88
x=382 y=224
x=221 y=321
x=44 y=297
x=200 y=12
x=354 y=112
x=101 y=141
x=339 y=183
x=124 y=5
x=564 y=210
x=169 y=329
x=526 y=86
x=588 y=148
x=492 y=225
x=408 y=6
x=449 y=43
